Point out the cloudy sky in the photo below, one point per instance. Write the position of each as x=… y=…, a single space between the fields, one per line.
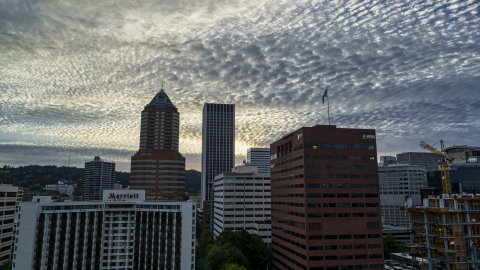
x=75 y=74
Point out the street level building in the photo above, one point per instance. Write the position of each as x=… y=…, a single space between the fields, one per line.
x=325 y=200
x=242 y=201
x=397 y=184
x=9 y=201
x=259 y=157
x=121 y=232
x=99 y=176
x=157 y=167
x=218 y=151
x=446 y=231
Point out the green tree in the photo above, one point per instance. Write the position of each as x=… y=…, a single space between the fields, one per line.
x=390 y=245
x=204 y=241
x=77 y=192
x=232 y=266
x=218 y=256
x=251 y=245
x=7 y=265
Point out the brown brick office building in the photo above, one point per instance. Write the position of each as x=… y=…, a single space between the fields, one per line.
x=158 y=167
x=325 y=200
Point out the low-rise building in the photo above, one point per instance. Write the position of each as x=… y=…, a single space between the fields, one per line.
x=62 y=188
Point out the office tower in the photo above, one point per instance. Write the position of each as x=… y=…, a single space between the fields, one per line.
x=428 y=160
x=259 y=157
x=99 y=176
x=158 y=167
x=325 y=200
x=242 y=201
x=218 y=150
x=397 y=184
x=121 y=232
x=9 y=196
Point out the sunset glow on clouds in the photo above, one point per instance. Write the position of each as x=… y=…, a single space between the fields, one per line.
x=75 y=75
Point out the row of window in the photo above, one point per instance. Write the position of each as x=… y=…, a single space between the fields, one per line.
x=344 y=236
x=330 y=205
x=334 y=215
x=345 y=257
x=338 y=146
x=341 y=185
x=341 y=166
x=356 y=176
x=340 y=157
x=337 y=195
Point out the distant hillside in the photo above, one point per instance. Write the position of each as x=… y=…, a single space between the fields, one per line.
x=31 y=175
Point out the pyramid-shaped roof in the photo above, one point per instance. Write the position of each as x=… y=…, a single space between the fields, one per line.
x=161 y=100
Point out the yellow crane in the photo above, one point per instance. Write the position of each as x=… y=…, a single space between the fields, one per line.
x=444 y=165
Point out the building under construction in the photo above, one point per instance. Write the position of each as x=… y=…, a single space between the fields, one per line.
x=446 y=231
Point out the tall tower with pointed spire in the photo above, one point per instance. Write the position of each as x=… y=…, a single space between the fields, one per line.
x=158 y=167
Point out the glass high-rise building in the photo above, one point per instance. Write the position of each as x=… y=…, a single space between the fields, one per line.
x=158 y=167
x=259 y=157
x=218 y=146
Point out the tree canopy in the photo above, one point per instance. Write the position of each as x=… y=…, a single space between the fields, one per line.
x=232 y=250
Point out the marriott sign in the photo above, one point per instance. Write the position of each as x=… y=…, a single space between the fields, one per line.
x=123 y=195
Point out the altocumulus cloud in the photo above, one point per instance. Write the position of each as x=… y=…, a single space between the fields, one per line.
x=76 y=74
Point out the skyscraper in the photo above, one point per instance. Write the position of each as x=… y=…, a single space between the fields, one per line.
x=99 y=176
x=218 y=147
x=325 y=200
x=259 y=157
x=218 y=143
x=158 y=167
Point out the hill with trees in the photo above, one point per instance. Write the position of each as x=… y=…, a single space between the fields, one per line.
x=36 y=177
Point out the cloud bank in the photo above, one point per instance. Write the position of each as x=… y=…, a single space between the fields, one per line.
x=76 y=74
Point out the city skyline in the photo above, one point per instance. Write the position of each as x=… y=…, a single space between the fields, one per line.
x=75 y=76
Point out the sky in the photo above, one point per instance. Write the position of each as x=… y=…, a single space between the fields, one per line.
x=75 y=74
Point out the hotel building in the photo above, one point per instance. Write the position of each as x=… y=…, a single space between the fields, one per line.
x=325 y=200
x=99 y=176
x=158 y=167
x=242 y=201
x=121 y=232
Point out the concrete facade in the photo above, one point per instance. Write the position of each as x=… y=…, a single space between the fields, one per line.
x=99 y=176
x=242 y=201
x=397 y=184
x=122 y=232
x=9 y=201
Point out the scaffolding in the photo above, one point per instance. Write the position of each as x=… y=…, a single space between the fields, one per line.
x=446 y=231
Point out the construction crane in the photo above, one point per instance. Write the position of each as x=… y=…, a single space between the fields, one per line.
x=444 y=165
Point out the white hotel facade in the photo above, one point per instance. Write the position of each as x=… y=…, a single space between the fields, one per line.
x=242 y=201
x=122 y=232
